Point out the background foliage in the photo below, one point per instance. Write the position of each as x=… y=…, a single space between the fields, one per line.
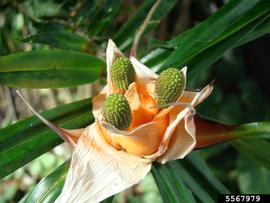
x=55 y=44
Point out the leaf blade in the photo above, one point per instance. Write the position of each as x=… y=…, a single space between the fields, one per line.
x=50 y=187
x=27 y=139
x=62 y=39
x=193 y=174
x=217 y=32
x=124 y=37
x=255 y=149
x=49 y=68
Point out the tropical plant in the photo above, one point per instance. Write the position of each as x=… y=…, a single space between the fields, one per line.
x=67 y=40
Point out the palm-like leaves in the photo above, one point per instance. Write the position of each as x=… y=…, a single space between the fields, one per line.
x=188 y=180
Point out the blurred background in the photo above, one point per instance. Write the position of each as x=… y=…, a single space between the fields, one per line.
x=241 y=93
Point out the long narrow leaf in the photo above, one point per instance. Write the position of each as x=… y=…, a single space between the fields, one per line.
x=49 y=68
x=125 y=35
x=193 y=173
x=60 y=39
x=227 y=20
x=210 y=132
x=256 y=149
x=27 y=139
x=104 y=15
x=259 y=31
x=203 y=60
x=235 y=26
x=157 y=58
x=49 y=188
x=200 y=165
x=170 y=188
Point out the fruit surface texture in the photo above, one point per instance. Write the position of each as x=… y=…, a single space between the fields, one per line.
x=122 y=73
x=169 y=86
x=117 y=111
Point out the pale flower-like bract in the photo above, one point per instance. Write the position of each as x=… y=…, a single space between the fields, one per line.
x=106 y=160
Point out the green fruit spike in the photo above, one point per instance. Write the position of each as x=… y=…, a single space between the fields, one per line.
x=117 y=112
x=122 y=73
x=169 y=86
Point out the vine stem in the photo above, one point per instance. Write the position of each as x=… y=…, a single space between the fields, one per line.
x=142 y=29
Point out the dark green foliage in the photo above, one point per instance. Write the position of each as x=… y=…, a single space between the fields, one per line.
x=210 y=49
x=29 y=138
x=49 y=68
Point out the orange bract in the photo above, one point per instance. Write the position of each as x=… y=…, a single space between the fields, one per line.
x=151 y=130
x=106 y=160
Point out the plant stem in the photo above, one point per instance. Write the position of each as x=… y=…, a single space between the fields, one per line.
x=142 y=29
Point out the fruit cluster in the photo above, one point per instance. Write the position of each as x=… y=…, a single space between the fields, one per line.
x=116 y=110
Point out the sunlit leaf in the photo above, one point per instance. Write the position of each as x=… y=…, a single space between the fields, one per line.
x=49 y=68
x=27 y=139
x=188 y=180
x=202 y=61
x=220 y=32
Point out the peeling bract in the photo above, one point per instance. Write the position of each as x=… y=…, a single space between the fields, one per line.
x=107 y=160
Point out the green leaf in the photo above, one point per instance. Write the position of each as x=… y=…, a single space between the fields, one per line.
x=49 y=68
x=252 y=130
x=256 y=149
x=39 y=9
x=108 y=200
x=96 y=16
x=85 y=11
x=32 y=138
x=50 y=187
x=193 y=173
x=252 y=178
x=259 y=31
x=211 y=132
x=104 y=14
x=125 y=35
x=203 y=60
x=194 y=179
x=27 y=139
x=49 y=26
x=60 y=39
x=227 y=20
x=156 y=58
x=170 y=188
x=203 y=45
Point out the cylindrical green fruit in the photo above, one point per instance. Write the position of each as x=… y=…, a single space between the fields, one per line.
x=122 y=73
x=117 y=112
x=169 y=86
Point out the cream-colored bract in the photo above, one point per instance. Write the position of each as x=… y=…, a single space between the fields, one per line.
x=98 y=170
x=106 y=160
